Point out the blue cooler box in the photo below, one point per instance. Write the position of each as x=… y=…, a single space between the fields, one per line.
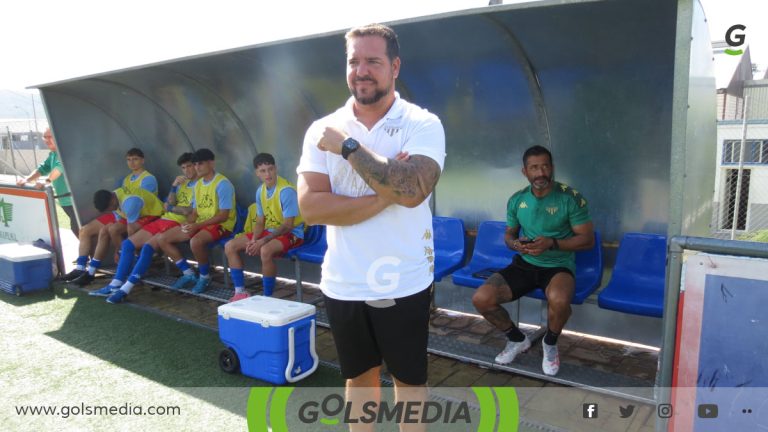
x=270 y=339
x=24 y=268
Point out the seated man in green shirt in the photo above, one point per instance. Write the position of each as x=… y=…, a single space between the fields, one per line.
x=55 y=172
x=546 y=222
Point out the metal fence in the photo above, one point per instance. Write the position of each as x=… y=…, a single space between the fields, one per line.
x=740 y=208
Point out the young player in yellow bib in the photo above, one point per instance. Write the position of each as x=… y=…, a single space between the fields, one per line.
x=177 y=207
x=276 y=227
x=212 y=218
x=135 y=210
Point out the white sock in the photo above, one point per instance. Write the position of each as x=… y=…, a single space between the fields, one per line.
x=127 y=287
x=205 y=277
x=189 y=272
x=91 y=270
x=79 y=267
x=116 y=283
x=239 y=290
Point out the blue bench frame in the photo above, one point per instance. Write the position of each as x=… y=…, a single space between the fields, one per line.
x=637 y=282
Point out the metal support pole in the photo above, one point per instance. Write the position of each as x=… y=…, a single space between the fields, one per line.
x=741 y=173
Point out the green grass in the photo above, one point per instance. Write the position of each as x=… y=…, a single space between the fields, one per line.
x=66 y=348
x=757 y=236
x=61 y=217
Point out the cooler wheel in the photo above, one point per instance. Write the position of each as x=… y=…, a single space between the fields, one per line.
x=17 y=290
x=228 y=361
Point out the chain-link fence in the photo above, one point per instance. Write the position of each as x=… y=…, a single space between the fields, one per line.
x=740 y=208
x=21 y=146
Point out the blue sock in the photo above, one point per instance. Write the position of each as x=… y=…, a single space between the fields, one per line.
x=127 y=250
x=93 y=266
x=142 y=265
x=269 y=285
x=238 y=279
x=204 y=270
x=182 y=264
x=82 y=260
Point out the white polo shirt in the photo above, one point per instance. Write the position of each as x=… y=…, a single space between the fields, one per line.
x=390 y=255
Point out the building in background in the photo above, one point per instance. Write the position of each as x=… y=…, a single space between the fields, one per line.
x=746 y=204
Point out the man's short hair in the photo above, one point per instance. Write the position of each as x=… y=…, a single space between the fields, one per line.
x=262 y=159
x=135 y=152
x=202 y=155
x=101 y=199
x=184 y=158
x=386 y=32
x=536 y=150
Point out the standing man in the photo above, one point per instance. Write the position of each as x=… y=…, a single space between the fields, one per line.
x=213 y=217
x=177 y=207
x=278 y=227
x=55 y=171
x=555 y=222
x=379 y=265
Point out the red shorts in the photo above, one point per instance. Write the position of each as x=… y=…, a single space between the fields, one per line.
x=289 y=241
x=217 y=232
x=109 y=218
x=160 y=226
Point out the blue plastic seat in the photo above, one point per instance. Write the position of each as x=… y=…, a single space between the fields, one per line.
x=314 y=246
x=449 y=245
x=589 y=273
x=637 y=282
x=491 y=254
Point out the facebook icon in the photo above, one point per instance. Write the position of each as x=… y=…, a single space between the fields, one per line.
x=590 y=410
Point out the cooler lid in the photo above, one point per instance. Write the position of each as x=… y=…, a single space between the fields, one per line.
x=267 y=311
x=15 y=252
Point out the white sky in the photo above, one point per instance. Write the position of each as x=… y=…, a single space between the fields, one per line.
x=48 y=40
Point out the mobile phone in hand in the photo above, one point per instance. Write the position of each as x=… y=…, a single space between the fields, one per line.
x=525 y=241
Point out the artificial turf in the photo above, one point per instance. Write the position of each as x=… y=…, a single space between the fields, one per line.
x=64 y=348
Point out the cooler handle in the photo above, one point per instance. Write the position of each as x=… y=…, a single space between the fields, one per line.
x=292 y=354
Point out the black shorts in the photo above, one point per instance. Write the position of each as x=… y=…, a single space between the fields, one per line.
x=524 y=277
x=365 y=335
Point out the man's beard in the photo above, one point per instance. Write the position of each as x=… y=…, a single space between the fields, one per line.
x=370 y=100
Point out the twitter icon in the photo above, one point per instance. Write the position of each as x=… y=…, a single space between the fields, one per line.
x=626 y=411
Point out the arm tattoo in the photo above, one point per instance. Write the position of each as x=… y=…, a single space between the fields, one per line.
x=415 y=178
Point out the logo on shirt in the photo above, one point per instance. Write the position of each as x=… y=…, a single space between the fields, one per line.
x=564 y=187
x=206 y=201
x=551 y=210
x=523 y=205
x=391 y=131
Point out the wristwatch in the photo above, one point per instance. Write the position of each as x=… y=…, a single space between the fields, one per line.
x=349 y=146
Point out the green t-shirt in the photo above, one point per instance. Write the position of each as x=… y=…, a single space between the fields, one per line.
x=550 y=216
x=59 y=185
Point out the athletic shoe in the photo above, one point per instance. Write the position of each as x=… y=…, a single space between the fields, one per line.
x=83 y=280
x=239 y=296
x=512 y=350
x=117 y=297
x=184 y=281
x=104 y=292
x=74 y=274
x=550 y=363
x=201 y=285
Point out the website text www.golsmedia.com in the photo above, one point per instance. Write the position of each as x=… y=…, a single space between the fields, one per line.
x=126 y=409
